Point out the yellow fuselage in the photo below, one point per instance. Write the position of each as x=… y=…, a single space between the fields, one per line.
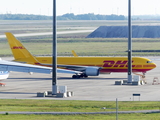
x=108 y=64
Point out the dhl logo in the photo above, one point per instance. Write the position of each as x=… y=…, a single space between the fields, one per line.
x=116 y=64
x=18 y=47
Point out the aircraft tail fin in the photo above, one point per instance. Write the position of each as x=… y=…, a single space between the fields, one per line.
x=20 y=53
x=74 y=53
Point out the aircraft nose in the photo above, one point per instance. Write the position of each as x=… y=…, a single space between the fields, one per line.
x=154 y=65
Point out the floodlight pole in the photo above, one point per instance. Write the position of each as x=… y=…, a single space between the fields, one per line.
x=129 y=43
x=116 y=108
x=54 y=54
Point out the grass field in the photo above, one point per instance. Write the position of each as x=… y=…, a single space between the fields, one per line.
x=77 y=106
x=42 y=45
x=85 y=46
x=74 y=105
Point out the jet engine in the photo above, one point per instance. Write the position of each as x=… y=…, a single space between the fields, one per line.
x=89 y=71
x=92 y=71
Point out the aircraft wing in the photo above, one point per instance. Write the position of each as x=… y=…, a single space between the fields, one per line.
x=76 y=67
x=20 y=67
x=86 y=70
x=68 y=71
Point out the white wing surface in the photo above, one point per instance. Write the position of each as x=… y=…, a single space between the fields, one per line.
x=21 y=67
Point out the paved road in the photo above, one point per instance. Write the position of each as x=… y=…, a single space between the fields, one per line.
x=101 y=88
x=73 y=113
x=48 y=33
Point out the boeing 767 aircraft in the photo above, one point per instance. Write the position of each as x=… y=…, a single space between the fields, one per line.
x=88 y=66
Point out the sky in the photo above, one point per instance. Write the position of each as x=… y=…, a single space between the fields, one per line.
x=104 y=7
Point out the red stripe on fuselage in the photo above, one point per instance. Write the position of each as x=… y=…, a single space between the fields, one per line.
x=43 y=65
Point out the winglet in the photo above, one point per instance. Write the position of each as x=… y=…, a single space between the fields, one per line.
x=74 y=54
x=20 y=53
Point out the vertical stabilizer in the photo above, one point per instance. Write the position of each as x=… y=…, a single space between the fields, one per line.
x=20 y=53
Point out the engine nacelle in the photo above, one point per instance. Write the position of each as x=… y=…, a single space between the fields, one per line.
x=92 y=71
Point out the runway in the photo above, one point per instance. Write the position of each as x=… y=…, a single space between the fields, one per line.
x=49 y=33
x=100 y=88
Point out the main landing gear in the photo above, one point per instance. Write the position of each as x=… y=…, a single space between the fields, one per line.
x=83 y=75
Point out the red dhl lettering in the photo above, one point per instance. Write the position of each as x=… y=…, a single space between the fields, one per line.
x=108 y=63
x=120 y=64
x=17 y=47
x=116 y=64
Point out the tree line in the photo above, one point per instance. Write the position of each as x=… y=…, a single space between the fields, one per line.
x=24 y=17
x=90 y=16
x=68 y=16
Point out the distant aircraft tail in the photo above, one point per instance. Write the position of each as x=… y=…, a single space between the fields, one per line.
x=74 y=53
x=20 y=53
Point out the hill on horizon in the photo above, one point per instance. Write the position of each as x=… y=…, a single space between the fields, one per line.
x=122 y=32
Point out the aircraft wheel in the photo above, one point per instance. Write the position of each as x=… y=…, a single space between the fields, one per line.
x=85 y=76
x=81 y=76
x=78 y=76
x=75 y=76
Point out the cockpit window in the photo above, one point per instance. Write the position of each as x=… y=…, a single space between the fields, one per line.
x=149 y=61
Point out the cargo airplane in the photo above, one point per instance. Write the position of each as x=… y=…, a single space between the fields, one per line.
x=88 y=66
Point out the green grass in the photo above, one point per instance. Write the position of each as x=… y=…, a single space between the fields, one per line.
x=74 y=106
x=77 y=106
x=85 y=46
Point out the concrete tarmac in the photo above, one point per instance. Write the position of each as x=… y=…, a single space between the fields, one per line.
x=100 y=88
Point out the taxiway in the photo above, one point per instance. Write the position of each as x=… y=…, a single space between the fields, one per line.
x=100 y=88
